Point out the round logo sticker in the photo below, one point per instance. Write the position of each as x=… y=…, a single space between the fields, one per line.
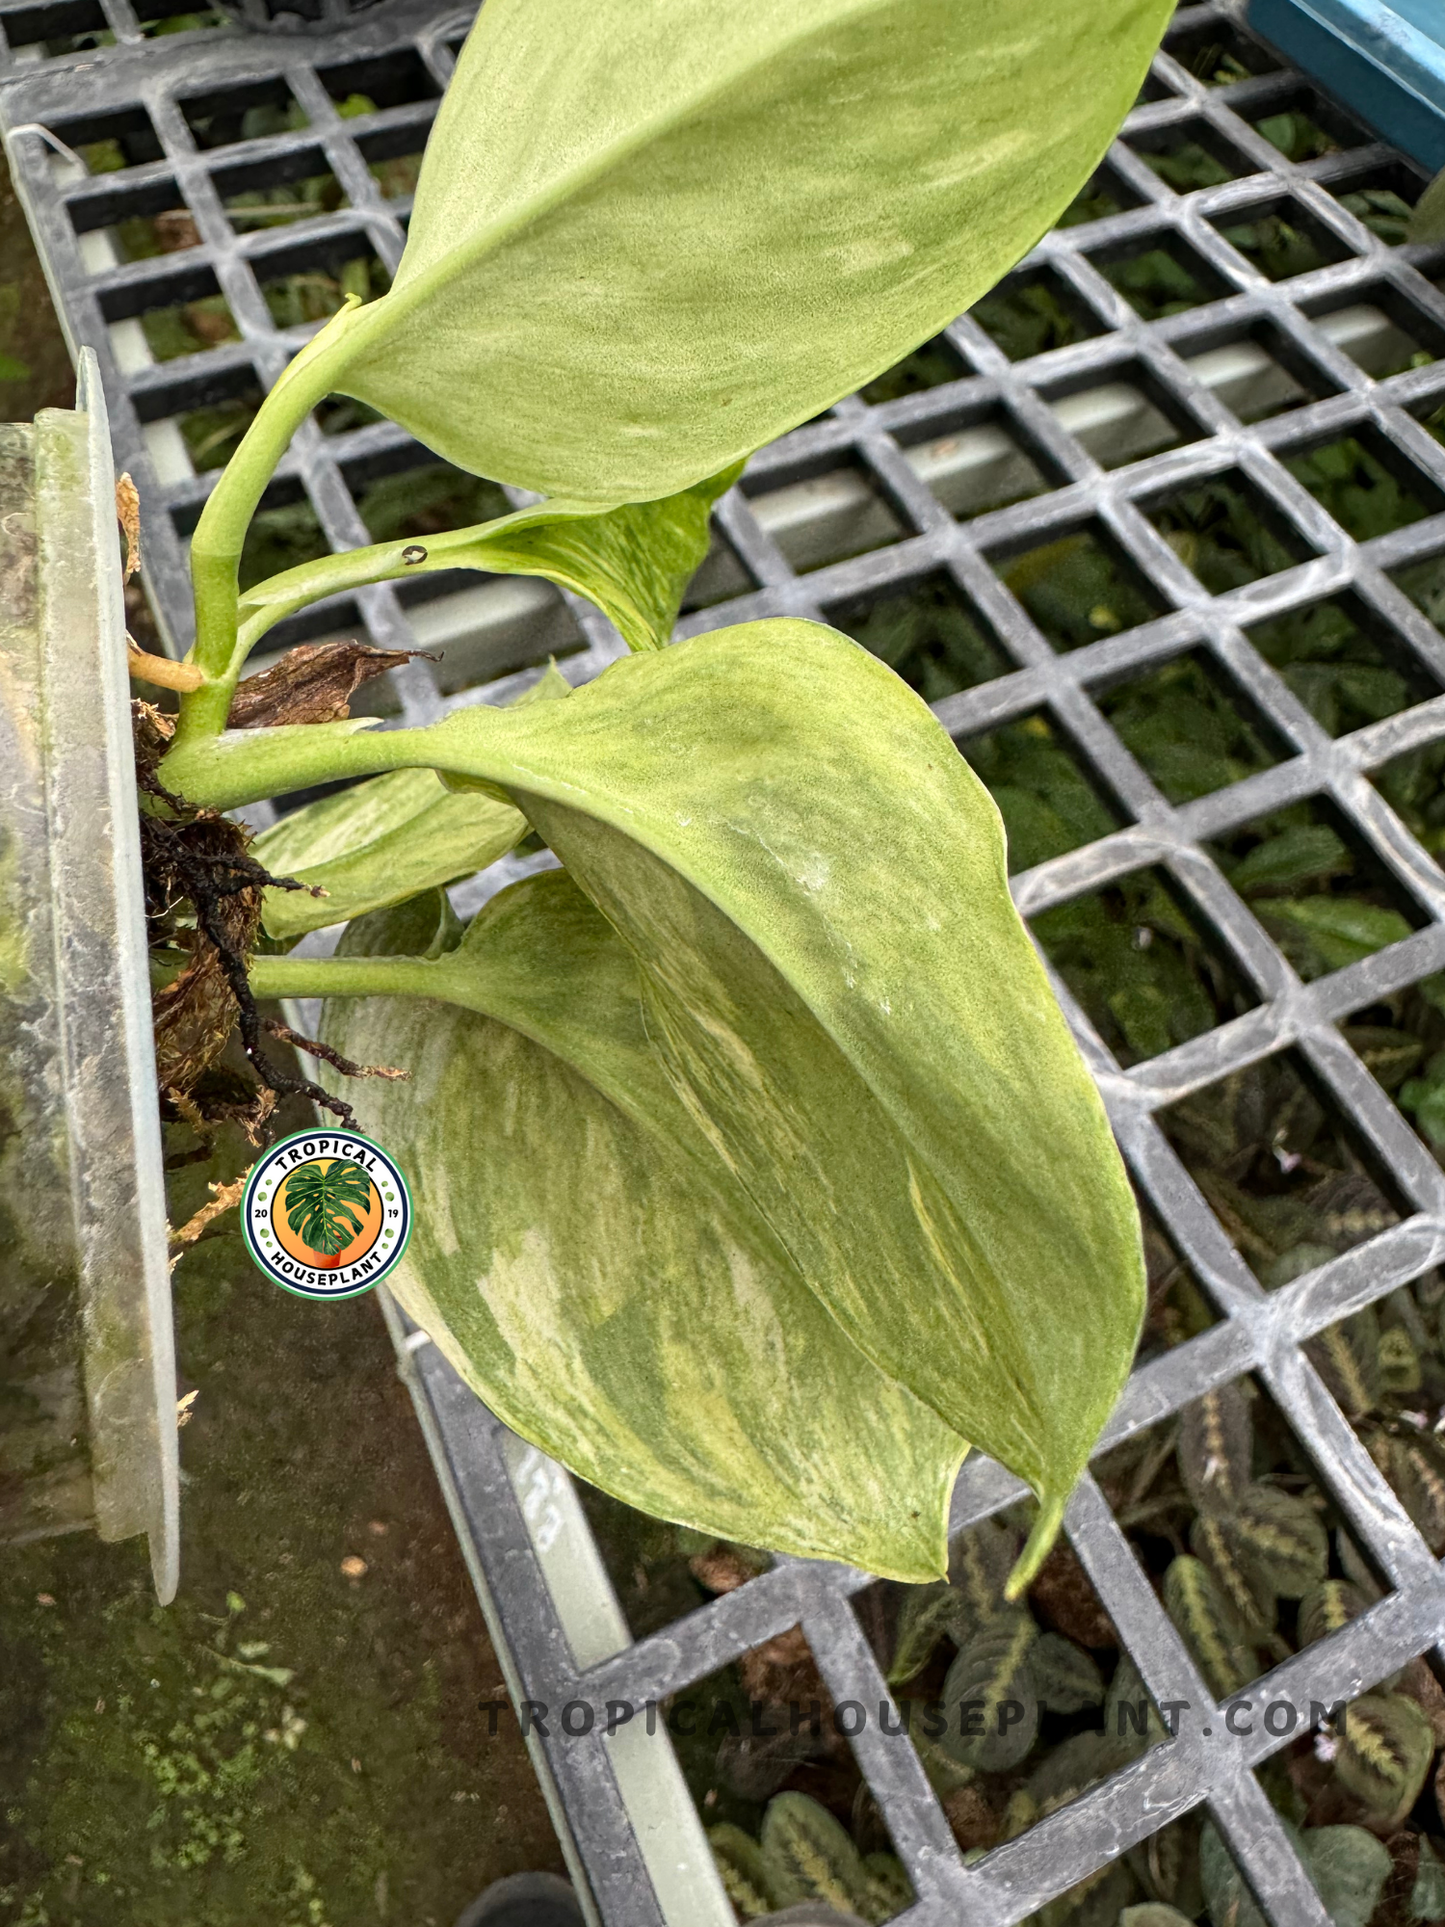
x=326 y=1214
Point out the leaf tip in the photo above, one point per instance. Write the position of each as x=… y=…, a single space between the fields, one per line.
x=1040 y=1544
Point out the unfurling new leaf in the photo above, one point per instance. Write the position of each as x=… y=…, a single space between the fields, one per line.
x=633 y=562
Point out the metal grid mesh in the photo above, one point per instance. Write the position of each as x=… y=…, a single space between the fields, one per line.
x=906 y=472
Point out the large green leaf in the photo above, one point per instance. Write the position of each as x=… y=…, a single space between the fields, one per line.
x=585 y=1261
x=377 y=844
x=648 y=239
x=634 y=562
x=836 y=987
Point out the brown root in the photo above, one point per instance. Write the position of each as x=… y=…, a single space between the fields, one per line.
x=329 y=1056
x=204 y=897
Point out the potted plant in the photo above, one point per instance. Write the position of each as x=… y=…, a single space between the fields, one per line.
x=776 y=1001
x=777 y=998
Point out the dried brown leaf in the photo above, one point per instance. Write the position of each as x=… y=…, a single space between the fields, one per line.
x=971 y=1819
x=127 y=511
x=782 y=1671
x=313 y=683
x=176 y=229
x=224 y=1197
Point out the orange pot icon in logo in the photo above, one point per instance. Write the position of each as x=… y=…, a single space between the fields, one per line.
x=328 y=1207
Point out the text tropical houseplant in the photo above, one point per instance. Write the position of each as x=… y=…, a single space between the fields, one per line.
x=756 y=1172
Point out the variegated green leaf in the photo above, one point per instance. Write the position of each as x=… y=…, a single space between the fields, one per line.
x=1153 y=1913
x=634 y=562
x=580 y=1256
x=1171 y=1865
x=1328 y=1607
x=1415 y=1467
x=644 y=245
x=1399 y=1362
x=1228 y=1901
x=1074 y=1765
x=1348 y=1357
x=1130 y=1714
x=1019 y=1815
x=979 y=1562
x=1215 y=1538
x=989 y=1697
x=381 y=842
x=1355 y=1568
x=945 y=1774
x=889 y=1890
x=1282 y=1535
x=808 y=1856
x=1349 y=1868
x=377 y=844
x=1212 y=1629
x=819 y=958
x=1385 y=1748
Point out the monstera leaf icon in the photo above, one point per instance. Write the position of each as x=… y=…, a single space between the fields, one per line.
x=323 y=1202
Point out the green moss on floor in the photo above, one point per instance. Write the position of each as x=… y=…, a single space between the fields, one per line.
x=297 y=1740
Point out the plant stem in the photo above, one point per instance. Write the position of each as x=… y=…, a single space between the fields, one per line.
x=245 y=766
x=273 y=977
x=1039 y=1545
x=221 y=532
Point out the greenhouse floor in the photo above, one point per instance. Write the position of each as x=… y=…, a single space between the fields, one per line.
x=301 y=1739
